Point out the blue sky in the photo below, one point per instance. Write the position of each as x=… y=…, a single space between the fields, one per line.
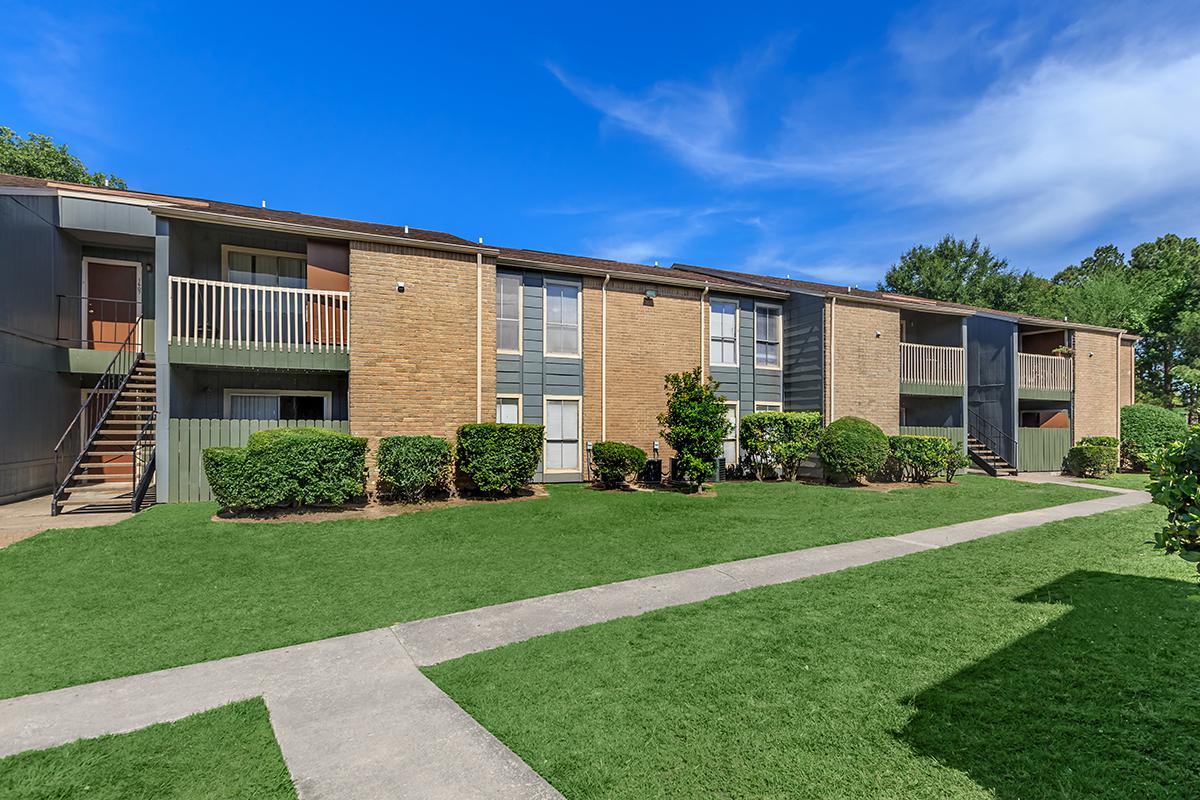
x=819 y=142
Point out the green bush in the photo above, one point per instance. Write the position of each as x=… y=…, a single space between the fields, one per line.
x=851 y=448
x=1100 y=441
x=1145 y=430
x=694 y=424
x=288 y=466
x=1092 y=460
x=779 y=439
x=1174 y=483
x=957 y=462
x=616 y=461
x=410 y=467
x=499 y=458
x=920 y=458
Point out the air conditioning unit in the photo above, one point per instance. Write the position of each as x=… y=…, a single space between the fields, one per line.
x=652 y=472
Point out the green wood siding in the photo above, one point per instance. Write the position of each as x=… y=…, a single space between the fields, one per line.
x=1042 y=449
x=248 y=357
x=953 y=434
x=189 y=437
x=1044 y=394
x=931 y=389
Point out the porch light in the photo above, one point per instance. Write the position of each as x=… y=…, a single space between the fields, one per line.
x=651 y=294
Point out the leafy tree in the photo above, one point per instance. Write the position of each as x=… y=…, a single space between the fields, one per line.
x=1168 y=317
x=694 y=424
x=39 y=157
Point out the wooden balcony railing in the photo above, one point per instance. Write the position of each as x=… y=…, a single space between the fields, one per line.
x=1052 y=373
x=931 y=364
x=223 y=314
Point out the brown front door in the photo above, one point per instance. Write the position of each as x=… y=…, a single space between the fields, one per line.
x=112 y=303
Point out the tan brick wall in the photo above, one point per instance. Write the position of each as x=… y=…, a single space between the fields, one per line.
x=1126 y=373
x=645 y=342
x=1096 y=379
x=865 y=367
x=413 y=355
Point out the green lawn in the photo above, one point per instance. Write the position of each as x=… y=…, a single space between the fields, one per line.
x=229 y=752
x=1122 y=480
x=170 y=587
x=1056 y=662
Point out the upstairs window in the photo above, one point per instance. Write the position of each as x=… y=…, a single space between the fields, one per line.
x=508 y=409
x=767 y=333
x=562 y=319
x=508 y=313
x=722 y=332
x=266 y=267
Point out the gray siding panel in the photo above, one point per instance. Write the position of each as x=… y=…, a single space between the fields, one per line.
x=97 y=215
x=803 y=353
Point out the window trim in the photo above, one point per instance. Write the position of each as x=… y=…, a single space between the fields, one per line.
x=579 y=467
x=520 y=404
x=767 y=405
x=737 y=438
x=778 y=333
x=737 y=333
x=578 y=286
x=327 y=396
x=226 y=249
x=520 y=315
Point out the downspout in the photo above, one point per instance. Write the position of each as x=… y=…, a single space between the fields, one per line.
x=832 y=353
x=703 y=360
x=604 y=358
x=966 y=389
x=478 y=336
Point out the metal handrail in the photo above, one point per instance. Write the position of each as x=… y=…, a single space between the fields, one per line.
x=998 y=442
x=143 y=465
x=72 y=315
x=112 y=379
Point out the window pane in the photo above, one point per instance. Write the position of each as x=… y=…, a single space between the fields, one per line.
x=241 y=267
x=293 y=273
x=507 y=334
x=253 y=406
x=301 y=407
x=508 y=297
x=729 y=448
x=506 y=410
x=570 y=422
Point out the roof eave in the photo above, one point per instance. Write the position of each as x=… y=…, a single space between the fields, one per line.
x=692 y=283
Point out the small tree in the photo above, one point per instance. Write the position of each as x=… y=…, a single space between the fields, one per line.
x=1176 y=473
x=694 y=424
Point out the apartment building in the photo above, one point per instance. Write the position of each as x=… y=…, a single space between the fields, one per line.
x=145 y=327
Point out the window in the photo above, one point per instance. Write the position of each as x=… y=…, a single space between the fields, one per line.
x=562 y=435
x=276 y=404
x=508 y=313
x=767 y=332
x=508 y=409
x=729 y=447
x=265 y=267
x=722 y=333
x=768 y=406
x=562 y=319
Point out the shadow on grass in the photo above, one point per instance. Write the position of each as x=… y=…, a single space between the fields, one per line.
x=1103 y=702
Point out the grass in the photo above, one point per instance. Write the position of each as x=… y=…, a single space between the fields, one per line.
x=224 y=753
x=170 y=587
x=1056 y=662
x=1122 y=480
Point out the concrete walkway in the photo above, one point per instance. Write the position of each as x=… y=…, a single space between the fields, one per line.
x=354 y=716
x=26 y=518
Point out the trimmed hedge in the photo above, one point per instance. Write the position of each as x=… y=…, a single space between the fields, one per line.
x=616 y=461
x=779 y=439
x=1176 y=485
x=1100 y=441
x=1146 y=430
x=411 y=467
x=919 y=458
x=497 y=457
x=1087 y=460
x=288 y=466
x=851 y=448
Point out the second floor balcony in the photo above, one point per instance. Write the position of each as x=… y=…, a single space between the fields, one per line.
x=238 y=324
x=1050 y=377
x=931 y=369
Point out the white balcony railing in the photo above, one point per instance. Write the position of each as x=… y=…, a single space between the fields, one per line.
x=931 y=364
x=223 y=314
x=1051 y=373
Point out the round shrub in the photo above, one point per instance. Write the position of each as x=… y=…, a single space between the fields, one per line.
x=411 y=467
x=616 y=461
x=1175 y=477
x=1145 y=430
x=499 y=458
x=1092 y=460
x=919 y=458
x=780 y=440
x=851 y=448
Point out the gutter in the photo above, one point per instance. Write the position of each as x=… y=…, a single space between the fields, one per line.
x=703 y=360
x=665 y=280
x=604 y=359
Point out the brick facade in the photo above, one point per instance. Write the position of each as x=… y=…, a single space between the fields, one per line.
x=1096 y=382
x=1126 y=367
x=865 y=369
x=412 y=354
x=646 y=341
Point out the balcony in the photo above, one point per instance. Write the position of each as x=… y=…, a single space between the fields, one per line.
x=1045 y=377
x=242 y=325
x=931 y=369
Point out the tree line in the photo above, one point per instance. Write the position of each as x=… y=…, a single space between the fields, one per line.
x=1154 y=293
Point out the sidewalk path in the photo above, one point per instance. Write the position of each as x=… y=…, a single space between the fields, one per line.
x=354 y=716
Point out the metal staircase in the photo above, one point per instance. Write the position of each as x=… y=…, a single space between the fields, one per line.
x=990 y=448
x=105 y=458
